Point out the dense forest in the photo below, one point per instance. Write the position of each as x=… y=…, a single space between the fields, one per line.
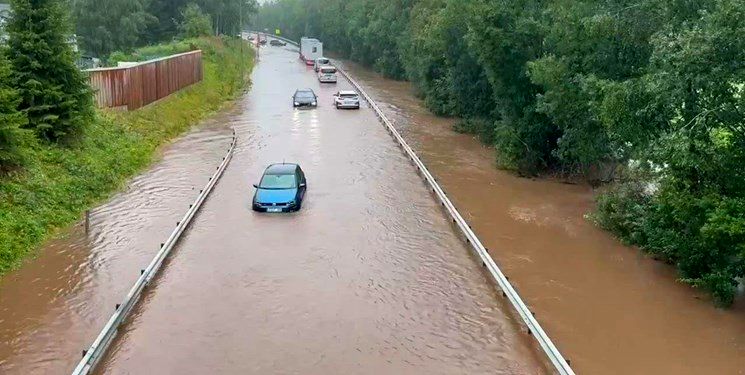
x=643 y=95
x=122 y=25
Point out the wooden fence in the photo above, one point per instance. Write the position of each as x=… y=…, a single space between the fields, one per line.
x=143 y=83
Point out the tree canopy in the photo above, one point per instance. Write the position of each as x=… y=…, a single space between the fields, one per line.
x=122 y=25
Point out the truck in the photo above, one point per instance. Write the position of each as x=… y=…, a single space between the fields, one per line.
x=310 y=50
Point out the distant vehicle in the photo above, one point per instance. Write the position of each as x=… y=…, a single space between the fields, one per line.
x=321 y=61
x=327 y=74
x=263 y=42
x=310 y=50
x=346 y=99
x=250 y=37
x=281 y=189
x=304 y=98
x=277 y=42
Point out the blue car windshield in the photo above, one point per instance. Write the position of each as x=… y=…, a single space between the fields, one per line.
x=278 y=181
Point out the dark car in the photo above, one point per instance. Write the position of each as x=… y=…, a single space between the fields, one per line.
x=304 y=98
x=262 y=42
x=282 y=189
x=277 y=42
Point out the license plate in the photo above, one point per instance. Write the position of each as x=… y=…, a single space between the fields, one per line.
x=274 y=209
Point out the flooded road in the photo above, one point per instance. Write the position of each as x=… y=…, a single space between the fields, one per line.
x=368 y=278
x=609 y=309
x=52 y=307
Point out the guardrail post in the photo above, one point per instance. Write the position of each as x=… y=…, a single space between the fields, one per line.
x=87 y=221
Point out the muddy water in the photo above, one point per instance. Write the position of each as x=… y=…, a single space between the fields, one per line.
x=52 y=308
x=609 y=309
x=368 y=278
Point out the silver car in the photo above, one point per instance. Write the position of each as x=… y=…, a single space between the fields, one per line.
x=346 y=99
x=321 y=61
x=327 y=74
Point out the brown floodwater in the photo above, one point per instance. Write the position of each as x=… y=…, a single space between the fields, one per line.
x=608 y=308
x=54 y=305
x=369 y=278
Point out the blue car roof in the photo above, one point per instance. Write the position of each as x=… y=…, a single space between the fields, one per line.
x=284 y=168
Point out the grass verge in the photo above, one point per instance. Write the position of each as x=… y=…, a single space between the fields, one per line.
x=60 y=182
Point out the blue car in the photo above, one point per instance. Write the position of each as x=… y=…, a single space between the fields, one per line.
x=281 y=189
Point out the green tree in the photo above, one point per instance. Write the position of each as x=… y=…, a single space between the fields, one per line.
x=54 y=94
x=227 y=15
x=696 y=217
x=168 y=13
x=506 y=35
x=13 y=138
x=194 y=22
x=117 y=25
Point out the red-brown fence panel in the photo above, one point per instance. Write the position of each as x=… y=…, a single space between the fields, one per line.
x=143 y=83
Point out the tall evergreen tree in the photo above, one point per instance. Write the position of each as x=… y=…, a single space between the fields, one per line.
x=54 y=93
x=12 y=136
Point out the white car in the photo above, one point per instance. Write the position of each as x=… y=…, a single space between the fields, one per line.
x=346 y=99
x=327 y=74
x=321 y=61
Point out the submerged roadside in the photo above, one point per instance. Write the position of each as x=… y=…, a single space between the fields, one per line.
x=60 y=183
x=608 y=308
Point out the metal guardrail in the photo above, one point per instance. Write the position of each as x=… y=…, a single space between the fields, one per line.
x=97 y=350
x=559 y=363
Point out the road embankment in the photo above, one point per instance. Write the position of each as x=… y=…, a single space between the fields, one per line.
x=61 y=181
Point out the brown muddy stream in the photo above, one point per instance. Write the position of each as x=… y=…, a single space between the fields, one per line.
x=609 y=309
x=369 y=278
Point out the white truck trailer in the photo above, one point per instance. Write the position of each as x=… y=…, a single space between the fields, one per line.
x=310 y=50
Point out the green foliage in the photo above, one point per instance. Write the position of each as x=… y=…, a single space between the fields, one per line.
x=483 y=128
x=194 y=22
x=696 y=219
x=13 y=138
x=115 y=25
x=54 y=94
x=156 y=51
x=123 y=25
x=59 y=183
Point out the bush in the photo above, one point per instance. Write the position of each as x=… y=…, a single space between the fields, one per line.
x=482 y=128
x=620 y=209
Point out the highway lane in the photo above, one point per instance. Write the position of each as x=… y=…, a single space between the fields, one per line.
x=368 y=278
